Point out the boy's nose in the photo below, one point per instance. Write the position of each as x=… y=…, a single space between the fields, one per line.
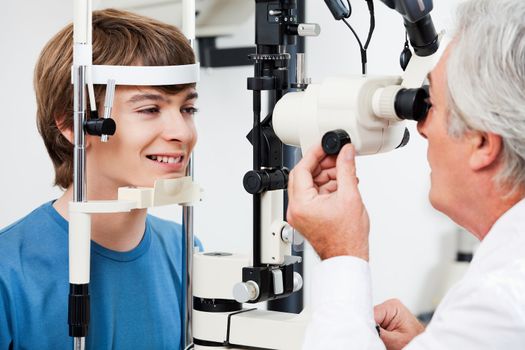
x=178 y=128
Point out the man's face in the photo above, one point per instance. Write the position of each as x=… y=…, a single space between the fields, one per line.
x=447 y=155
x=154 y=138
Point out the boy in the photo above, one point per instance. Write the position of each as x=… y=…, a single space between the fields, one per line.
x=136 y=258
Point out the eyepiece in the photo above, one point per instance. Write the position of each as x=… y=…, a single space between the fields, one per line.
x=412 y=104
x=423 y=36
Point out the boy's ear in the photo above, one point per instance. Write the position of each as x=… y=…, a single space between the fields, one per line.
x=486 y=149
x=67 y=132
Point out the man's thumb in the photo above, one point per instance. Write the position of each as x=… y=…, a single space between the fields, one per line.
x=346 y=173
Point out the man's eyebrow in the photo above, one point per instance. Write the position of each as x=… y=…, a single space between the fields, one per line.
x=144 y=97
x=429 y=78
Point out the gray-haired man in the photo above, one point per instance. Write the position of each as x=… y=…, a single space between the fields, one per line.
x=476 y=150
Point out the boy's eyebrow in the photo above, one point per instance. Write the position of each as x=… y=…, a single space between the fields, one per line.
x=157 y=97
x=192 y=95
x=143 y=97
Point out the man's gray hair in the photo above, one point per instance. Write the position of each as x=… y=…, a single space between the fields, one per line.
x=486 y=79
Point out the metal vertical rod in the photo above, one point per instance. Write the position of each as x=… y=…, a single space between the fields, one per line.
x=80 y=344
x=79 y=156
x=187 y=275
x=188 y=20
x=256 y=142
x=79 y=151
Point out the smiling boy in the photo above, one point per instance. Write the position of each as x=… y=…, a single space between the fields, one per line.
x=136 y=258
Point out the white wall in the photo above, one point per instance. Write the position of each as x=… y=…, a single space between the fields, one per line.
x=409 y=240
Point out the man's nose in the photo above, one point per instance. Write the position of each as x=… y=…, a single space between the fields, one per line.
x=421 y=126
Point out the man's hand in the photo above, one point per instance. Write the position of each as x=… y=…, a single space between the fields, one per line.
x=398 y=325
x=325 y=204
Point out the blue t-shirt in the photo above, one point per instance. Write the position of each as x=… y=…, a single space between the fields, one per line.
x=135 y=295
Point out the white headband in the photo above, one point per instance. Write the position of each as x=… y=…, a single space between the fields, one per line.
x=134 y=75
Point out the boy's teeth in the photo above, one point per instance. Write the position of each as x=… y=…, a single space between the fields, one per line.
x=165 y=159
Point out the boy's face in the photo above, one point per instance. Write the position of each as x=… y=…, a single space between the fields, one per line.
x=154 y=138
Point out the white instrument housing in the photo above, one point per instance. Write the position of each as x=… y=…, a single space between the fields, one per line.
x=338 y=103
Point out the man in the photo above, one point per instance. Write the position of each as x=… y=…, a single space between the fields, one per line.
x=136 y=258
x=476 y=150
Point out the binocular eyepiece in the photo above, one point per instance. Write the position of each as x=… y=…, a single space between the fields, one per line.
x=397 y=103
x=412 y=104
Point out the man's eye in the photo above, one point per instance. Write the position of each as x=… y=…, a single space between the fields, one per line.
x=189 y=110
x=151 y=110
x=428 y=102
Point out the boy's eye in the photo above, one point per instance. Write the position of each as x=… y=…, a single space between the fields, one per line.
x=150 y=110
x=189 y=110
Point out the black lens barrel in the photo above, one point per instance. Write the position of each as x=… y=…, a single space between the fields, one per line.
x=412 y=104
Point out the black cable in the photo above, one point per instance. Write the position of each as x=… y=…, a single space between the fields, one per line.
x=363 y=49
x=370 y=4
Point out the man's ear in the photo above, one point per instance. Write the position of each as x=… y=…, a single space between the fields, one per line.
x=486 y=149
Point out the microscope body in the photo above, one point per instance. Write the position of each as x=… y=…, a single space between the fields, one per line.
x=371 y=111
x=339 y=103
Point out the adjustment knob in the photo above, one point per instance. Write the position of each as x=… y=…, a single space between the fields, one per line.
x=100 y=126
x=244 y=292
x=255 y=181
x=297 y=281
x=258 y=181
x=308 y=29
x=334 y=140
x=291 y=235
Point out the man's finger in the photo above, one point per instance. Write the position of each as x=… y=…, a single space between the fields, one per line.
x=302 y=182
x=346 y=172
x=380 y=314
x=329 y=187
x=325 y=176
x=312 y=159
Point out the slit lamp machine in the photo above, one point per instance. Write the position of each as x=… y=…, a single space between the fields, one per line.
x=222 y=289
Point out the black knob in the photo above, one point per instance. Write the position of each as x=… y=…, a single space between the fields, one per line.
x=100 y=126
x=256 y=181
x=412 y=104
x=334 y=140
x=78 y=310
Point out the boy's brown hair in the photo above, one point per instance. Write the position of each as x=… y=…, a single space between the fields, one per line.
x=119 y=38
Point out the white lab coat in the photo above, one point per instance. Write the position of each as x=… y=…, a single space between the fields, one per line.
x=485 y=310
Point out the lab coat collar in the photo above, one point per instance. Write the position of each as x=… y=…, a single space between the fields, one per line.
x=508 y=232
